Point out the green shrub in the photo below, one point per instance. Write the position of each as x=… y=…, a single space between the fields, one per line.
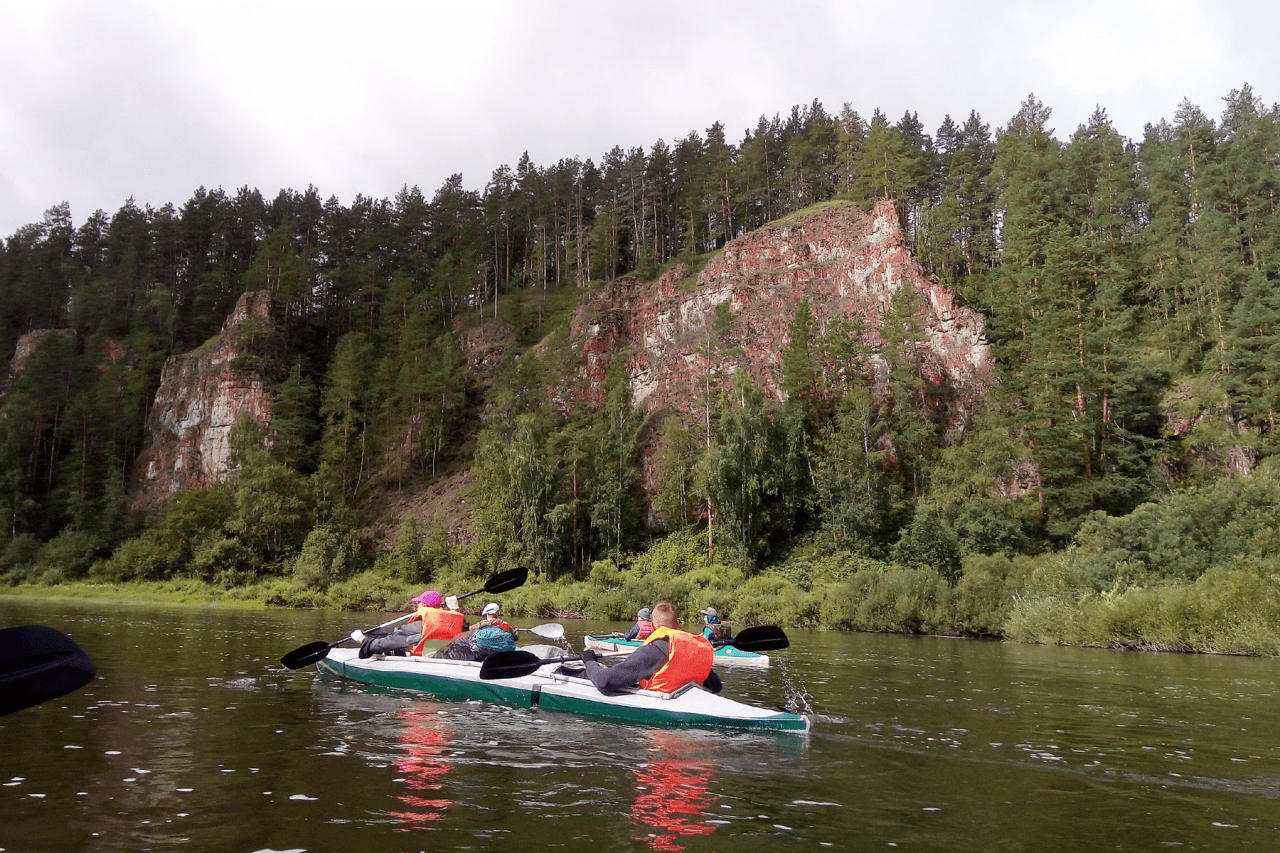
x=65 y=557
x=891 y=598
x=146 y=557
x=770 y=599
x=369 y=590
x=327 y=557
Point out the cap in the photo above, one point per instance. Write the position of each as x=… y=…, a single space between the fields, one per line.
x=710 y=611
x=643 y=613
x=491 y=607
x=429 y=598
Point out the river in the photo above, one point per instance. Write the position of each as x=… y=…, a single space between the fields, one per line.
x=194 y=737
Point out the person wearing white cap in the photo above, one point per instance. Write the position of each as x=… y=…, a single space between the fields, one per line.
x=490 y=617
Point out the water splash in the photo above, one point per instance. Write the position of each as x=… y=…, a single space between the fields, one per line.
x=798 y=696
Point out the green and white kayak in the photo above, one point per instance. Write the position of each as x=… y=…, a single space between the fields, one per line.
x=548 y=691
x=725 y=655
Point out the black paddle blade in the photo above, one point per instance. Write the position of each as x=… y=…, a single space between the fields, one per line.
x=510 y=579
x=762 y=638
x=306 y=655
x=38 y=663
x=510 y=665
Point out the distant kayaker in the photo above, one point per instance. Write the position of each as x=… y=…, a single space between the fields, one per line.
x=643 y=627
x=710 y=619
x=669 y=659
x=430 y=622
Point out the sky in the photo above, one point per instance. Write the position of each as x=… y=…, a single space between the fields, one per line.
x=101 y=102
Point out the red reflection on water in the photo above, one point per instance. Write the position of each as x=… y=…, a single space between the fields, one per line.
x=674 y=792
x=425 y=767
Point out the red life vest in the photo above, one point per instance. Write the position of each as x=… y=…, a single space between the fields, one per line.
x=646 y=628
x=689 y=658
x=436 y=625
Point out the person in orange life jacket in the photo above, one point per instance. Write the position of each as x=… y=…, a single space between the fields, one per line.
x=643 y=627
x=669 y=659
x=429 y=622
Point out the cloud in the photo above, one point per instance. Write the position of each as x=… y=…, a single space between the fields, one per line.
x=151 y=99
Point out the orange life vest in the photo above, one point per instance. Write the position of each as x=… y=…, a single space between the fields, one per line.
x=689 y=658
x=436 y=625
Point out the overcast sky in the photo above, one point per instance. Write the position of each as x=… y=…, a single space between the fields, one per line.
x=100 y=101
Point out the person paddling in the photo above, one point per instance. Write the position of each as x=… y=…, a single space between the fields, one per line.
x=669 y=659
x=710 y=619
x=643 y=627
x=430 y=622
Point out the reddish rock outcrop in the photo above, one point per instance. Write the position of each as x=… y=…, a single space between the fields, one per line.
x=27 y=345
x=848 y=263
x=201 y=395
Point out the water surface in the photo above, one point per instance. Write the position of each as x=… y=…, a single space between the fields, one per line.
x=193 y=737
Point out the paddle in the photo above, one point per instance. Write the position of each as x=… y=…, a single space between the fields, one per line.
x=549 y=631
x=319 y=650
x=38 y=663
x=763 y=638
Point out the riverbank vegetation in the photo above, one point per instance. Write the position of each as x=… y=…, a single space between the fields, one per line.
x=1116 y=488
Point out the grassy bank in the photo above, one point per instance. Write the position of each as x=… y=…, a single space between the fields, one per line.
x=1232 y=608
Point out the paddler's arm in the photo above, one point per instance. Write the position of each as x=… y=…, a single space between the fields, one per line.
x=635 y=667
x=712 y=682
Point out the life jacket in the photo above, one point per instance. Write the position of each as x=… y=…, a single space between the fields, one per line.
x=436 y=625
x=646 y=628
x=689 y=658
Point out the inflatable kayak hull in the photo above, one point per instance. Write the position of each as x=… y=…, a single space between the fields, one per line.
x=545 y=690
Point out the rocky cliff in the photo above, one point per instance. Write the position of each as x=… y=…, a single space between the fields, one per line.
x=848 y=263
x=201 y=395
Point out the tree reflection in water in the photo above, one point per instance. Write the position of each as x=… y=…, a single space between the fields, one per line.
x=424 y=737
x=674 y=793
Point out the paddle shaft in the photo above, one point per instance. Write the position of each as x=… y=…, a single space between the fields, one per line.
x=315 y=652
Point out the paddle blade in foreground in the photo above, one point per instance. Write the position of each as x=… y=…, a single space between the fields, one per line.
x=762 y=638
x=38 y=663
x=307 y=655
x=512 y=665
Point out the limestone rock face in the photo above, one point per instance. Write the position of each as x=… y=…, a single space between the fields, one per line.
x=848 y=263
x=201 y=395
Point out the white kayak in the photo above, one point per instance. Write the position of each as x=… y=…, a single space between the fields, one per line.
x=549 y=691
x=725 y=655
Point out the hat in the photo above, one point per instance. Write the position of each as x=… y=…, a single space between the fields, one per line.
x=710 y=611
x=643 y=613
x=491 y=607
x=429 y=598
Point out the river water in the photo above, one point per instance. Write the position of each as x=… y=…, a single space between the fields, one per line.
x=193 y=737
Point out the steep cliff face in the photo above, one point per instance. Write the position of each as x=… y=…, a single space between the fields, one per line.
x=201 y=395
x=848 y=263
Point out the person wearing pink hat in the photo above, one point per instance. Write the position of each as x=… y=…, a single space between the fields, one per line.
x=434 y=623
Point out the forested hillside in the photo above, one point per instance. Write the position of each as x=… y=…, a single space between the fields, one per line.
x=1130 y=291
